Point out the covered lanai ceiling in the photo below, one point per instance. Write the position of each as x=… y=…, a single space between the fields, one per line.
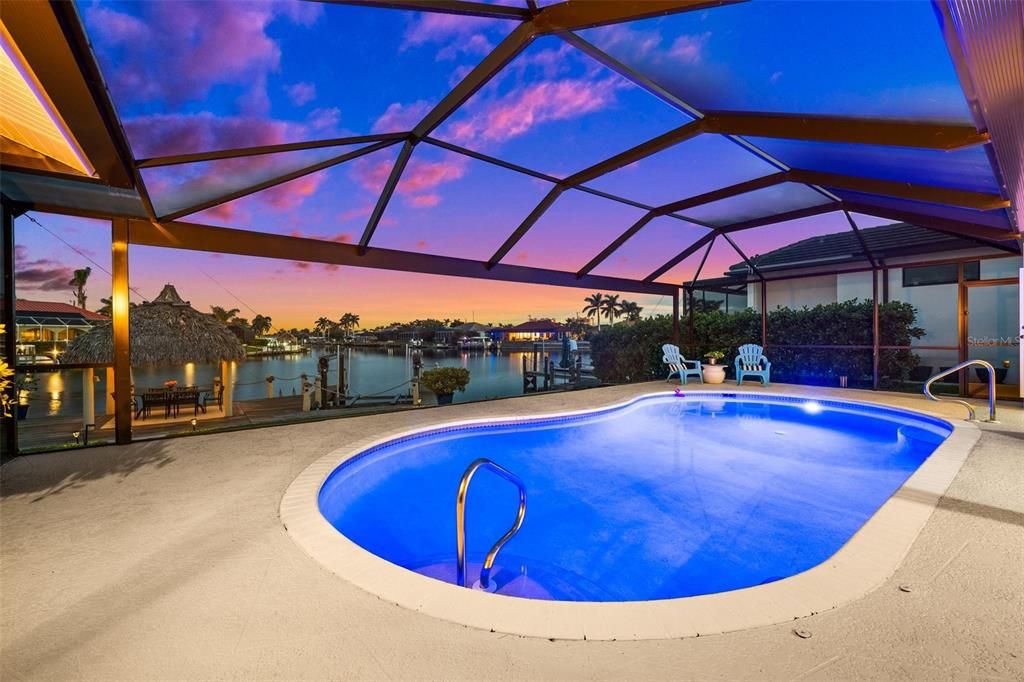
x=585 y=143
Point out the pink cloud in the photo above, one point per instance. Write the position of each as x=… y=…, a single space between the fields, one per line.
x=291 y=194
x=421 y=244
x=370 y=173
x=301 y=93
x=325 y=119
x=423 y=200
x=520 y=110
x=449 y=29
x=357 y=212
x=476 y=44
x=689 y=49
x=400 y=117
x=165 y=134
x=420 y=176
x=201 y=45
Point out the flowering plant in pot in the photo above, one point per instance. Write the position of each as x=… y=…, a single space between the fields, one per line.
x=714 y=356
x=444 y=381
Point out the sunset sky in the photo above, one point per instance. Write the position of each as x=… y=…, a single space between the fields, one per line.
x=199 y=76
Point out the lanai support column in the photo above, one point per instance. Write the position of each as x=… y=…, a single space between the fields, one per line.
x=764 y=313
x=675 y=317
x=108 y=393
x=875 y=352
x=88 y=399
x=123 y=403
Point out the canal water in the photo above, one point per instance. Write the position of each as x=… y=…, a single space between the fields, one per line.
x=370 y=371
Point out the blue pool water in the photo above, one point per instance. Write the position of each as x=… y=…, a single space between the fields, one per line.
x=667 y=497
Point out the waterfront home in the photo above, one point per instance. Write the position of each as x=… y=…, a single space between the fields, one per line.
x=535 y=330
x=44 y=328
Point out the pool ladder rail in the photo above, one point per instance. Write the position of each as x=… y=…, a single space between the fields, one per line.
x=460 y=520
x=971 y=416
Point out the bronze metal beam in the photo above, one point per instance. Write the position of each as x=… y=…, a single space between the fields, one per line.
x=490 y=159
x=496 y=59
x=524 y=227
x=619 y=241
x=176 y=159
x=860 y=238
x=951 y=226
x=385 y=194
x=781 y=217
x=641 y=151
x=683 y=255
x=190 y=236
x=51 y=39
x=844 y=129
x=739 y=251
x=724 y=193
x=461 y=7
x=280 y=179
x=580 y=14
x=703 y=260
x=123 y=405
x=979 y=201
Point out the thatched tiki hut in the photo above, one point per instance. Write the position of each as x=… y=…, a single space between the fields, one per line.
x=165 y=331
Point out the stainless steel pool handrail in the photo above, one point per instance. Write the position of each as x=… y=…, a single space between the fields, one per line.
x=460 y=520
x=970 y=409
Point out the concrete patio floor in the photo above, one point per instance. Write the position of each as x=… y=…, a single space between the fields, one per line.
x=167 y=560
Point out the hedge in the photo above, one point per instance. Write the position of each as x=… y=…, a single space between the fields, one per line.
x=632 y=351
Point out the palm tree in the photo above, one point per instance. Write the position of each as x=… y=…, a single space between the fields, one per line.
x=611 y=307
x=222 y=314
x=322 y=325
x=593 y=307
x=107 y=308
x=631 y=310
x=77 y=285
x=261 y=324
x=348 y=322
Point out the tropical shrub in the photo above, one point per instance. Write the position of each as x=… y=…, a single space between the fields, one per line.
x=445 y=380
x=633 y=353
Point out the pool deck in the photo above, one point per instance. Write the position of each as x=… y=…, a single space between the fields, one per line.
x=167 y=560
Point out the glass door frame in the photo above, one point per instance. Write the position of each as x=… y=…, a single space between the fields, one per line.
x=963 y=317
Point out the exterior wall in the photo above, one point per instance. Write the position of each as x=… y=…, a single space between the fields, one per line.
x=854 y=285
x=795 y=293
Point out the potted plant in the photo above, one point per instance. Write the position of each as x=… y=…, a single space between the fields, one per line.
x=444 y=381
x=22 y=388
x=5 y=384
x=714 y=356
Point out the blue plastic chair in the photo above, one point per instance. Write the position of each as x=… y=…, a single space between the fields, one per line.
x=751 y=362
x=680 y=366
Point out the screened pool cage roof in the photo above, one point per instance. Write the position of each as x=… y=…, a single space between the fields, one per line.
x=592 y=143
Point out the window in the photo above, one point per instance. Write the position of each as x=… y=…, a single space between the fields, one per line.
x=929 y=275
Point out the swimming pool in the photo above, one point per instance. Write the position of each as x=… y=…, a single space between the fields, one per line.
x=665 y=497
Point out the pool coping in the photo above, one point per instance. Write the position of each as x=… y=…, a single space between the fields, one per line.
x=862 y=564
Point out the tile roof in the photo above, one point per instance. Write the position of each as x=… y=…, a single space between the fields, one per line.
x=27 y=307
x=537 y=326
x=888 y=240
